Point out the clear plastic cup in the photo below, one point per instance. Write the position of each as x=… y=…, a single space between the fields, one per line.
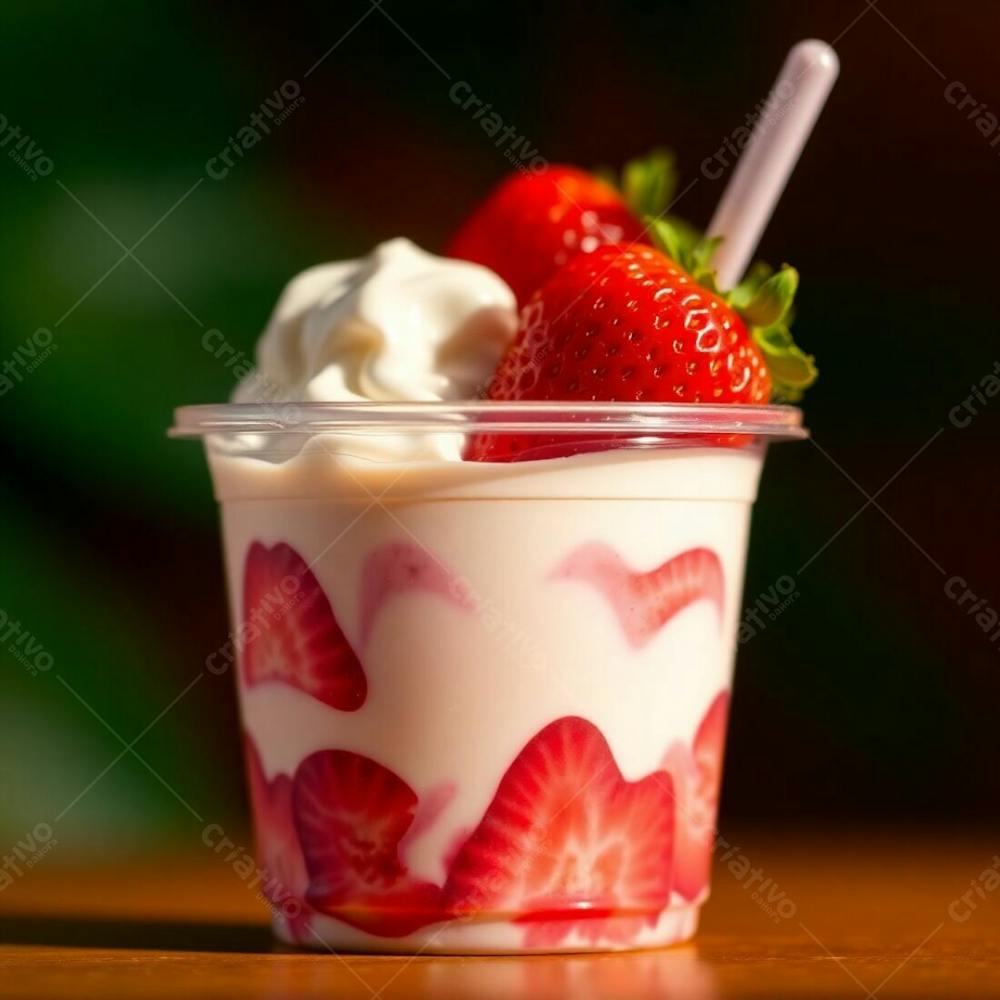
x=484 y=704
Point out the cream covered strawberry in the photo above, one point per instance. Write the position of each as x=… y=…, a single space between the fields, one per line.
x=403 y=567
x=643 y=602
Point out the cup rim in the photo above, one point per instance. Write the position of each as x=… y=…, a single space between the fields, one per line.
x=775 y=422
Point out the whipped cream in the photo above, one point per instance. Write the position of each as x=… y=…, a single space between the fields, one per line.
x=398 y=325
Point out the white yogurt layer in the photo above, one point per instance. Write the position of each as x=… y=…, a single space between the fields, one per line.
x=455 y=694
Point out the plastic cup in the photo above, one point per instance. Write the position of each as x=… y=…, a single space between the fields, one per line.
x=484 y=704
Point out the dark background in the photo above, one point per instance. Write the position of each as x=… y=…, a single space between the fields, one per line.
x=873 y=698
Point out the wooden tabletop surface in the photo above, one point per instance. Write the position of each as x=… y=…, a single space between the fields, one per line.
x=881 y=915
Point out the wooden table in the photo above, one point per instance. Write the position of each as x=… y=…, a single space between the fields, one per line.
x=879 y=915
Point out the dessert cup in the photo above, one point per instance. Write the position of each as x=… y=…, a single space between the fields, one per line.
x=484 y=704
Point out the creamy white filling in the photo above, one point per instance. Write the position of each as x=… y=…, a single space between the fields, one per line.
x=398 y=325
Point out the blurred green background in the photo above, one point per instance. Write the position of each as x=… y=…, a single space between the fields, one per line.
x=872 y=698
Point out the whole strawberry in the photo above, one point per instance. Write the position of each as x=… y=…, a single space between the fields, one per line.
x=532 y=224
x=630 y=324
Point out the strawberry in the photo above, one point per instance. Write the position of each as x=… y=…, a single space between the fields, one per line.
x=397 y=567
x=567 y=842
x=533 y=223
x=630 y=324
x=283 y=869
x=697 y=774
x=290 y=633
x=644 y=602
x=351 y=814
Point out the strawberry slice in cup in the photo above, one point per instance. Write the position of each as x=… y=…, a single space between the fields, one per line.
x=289 y=631
x=568 y=846
x=696 y=773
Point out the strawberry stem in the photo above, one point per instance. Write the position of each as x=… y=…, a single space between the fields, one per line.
x=648 y=183
x=763 y=300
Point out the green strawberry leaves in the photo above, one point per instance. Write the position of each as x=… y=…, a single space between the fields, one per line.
x=792 y=370
x=647 y=183
x=763 y=299
x=741 y=294
x=688 y=246
x=772 y=298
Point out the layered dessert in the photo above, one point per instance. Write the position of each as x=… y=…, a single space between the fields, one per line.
x=485 y=558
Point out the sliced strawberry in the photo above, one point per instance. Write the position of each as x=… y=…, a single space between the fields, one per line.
x=290 y=632
x=351 y=814
x=567 y=842
x=697 y=776
x=283 y=869
x=645 y=602
x=401 y=566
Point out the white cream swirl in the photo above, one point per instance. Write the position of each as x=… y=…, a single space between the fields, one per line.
x=398 y=325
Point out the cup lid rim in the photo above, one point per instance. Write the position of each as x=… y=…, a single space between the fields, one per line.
x=776 y=422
